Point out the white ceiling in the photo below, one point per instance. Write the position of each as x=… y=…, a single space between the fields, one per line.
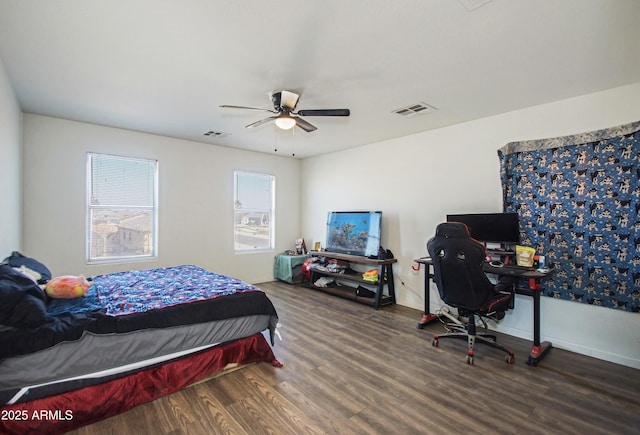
x=165 y=66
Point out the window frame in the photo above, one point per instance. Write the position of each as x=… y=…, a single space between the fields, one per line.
x=93 y=207
x=271 y=211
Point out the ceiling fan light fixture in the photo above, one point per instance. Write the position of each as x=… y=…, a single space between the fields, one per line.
x=285 y=122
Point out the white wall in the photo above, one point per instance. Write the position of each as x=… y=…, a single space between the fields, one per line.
x=10 y=168
x=417 y=180
x=195 y=202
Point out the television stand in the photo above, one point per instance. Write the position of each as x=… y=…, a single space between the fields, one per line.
x=385 y=277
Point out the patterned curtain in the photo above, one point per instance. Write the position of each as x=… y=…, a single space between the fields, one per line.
x=578 y=198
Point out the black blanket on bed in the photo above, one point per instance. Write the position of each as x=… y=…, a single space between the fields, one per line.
x=20 y=341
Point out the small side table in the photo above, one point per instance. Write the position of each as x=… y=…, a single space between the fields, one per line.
x=288 y=268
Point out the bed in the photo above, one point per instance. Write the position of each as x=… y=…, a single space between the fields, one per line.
x=135 y=336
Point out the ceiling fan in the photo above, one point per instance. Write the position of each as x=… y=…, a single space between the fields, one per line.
x=284 y=105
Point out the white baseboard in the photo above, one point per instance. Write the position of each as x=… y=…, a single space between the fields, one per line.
x=572 y=347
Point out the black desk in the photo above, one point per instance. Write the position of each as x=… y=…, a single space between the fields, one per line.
x=533 y=277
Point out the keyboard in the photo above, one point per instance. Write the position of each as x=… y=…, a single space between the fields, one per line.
x=507 y=269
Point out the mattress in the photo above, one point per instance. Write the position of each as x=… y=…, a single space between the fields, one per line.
x=130 y=321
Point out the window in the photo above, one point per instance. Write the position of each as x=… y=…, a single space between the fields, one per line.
x=253 y=211
x=121 y=208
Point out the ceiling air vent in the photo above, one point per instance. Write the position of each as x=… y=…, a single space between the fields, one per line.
x=213 y=133
x=415 y=109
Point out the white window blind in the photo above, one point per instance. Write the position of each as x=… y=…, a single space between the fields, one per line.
x=122 y=207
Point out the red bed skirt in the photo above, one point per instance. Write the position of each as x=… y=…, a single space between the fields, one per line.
x=71 y=410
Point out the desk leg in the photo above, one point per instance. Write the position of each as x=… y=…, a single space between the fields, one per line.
x=427 y=317
x=538 y=350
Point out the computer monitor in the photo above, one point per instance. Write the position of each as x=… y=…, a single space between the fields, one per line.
x=490 y=227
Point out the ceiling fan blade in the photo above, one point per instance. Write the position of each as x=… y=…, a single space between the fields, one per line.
x=325 y=112
x=275 y=99
x=306 y=126
x=229 y=106
x=262 y=121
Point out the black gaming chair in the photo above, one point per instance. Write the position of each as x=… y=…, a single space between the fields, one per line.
x=457 y=264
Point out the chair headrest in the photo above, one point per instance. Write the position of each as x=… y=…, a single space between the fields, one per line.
x=452 y=230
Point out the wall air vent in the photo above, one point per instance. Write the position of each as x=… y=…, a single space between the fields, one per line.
x=414 y=109
x=213 y=133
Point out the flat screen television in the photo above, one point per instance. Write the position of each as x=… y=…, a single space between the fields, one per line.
x=354 y=232
x=491 y=227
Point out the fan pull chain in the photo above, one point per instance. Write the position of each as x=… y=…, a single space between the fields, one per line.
x=275 y=133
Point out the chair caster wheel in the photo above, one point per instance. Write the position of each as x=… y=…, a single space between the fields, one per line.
x=510 y=359
x=469 y=360
x=434 y=342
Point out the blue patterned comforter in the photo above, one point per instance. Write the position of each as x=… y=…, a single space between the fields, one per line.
x=138 y=291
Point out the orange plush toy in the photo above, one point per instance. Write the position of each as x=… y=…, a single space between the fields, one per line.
x=67 y=287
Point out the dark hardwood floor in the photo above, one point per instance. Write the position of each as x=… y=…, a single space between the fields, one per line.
x=350 y=369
